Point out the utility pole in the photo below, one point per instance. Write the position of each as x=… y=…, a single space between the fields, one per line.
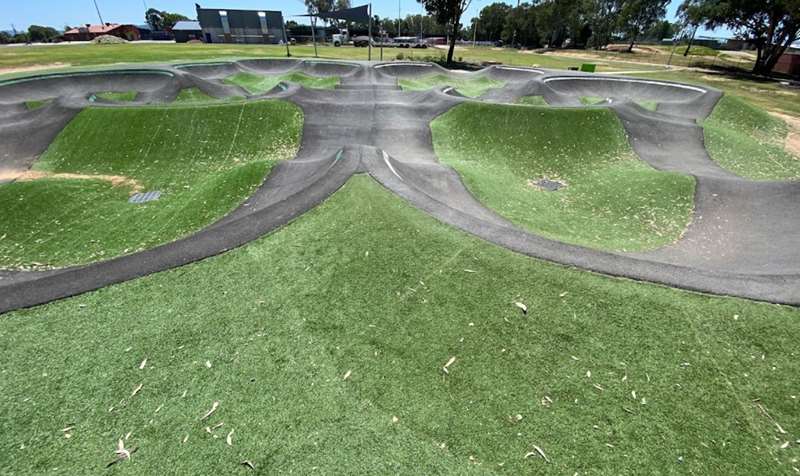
x=98 y=12
x=474 y=33
x=398 y=17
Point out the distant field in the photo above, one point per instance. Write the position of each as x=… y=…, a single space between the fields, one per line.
x=16 y=58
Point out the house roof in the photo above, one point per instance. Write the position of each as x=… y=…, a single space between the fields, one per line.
x=98 y=29
x=187 y=26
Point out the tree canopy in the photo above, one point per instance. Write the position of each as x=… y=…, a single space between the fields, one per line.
x=771 y=25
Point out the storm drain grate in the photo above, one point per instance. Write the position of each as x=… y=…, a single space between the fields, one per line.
x=144 y=197
x=549 y=185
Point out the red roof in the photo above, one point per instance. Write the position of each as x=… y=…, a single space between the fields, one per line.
x=97 y=29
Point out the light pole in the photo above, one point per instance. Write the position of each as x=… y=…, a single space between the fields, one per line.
x=98 y=12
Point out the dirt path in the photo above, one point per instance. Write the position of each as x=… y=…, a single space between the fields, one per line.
x=31 y=175
x=792 y=142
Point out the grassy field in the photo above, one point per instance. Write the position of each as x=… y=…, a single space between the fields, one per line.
x=204 y=161
x=699 y=56
x=118 y=96
x=324 y=345
x=61 y=56
x=257 y=84
x=763 y=93
x=612 y=199
x=749 y=142
x=472 y=87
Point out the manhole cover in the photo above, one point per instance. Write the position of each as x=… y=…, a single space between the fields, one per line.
x=547 y=184
x=144 y=197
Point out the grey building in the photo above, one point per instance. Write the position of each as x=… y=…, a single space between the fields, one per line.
x=220 y=25
x=187 y=30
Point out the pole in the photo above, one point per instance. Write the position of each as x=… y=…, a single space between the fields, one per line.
x=314 y=35
x=474 y=33
x=98 y=12
x=285 y=39
x=398 y=18
x=369 y=32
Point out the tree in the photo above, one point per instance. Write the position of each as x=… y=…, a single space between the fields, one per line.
x=42 y=34
x=603 y=19
x=491 y=21
x=520 y=26
x=447 y=12
x=154 y=18
x=5 y=38
x=162 y=20
x=637 y=16
x=771 y=25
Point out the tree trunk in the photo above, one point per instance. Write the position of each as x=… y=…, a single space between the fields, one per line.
x=453 y=35
x=633 y=40
x=768 y=57
x=691 y=40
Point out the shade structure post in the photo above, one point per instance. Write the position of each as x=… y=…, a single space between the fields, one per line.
x=285 y=39
x=369 y=33
x=314 y=35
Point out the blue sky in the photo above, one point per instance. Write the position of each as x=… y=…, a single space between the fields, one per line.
x=58 y=13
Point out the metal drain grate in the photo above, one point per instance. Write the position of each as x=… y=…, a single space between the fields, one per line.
x=550 y=185
x=145 y=197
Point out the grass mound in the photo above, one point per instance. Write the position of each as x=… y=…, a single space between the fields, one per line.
x=605 y=376
x=472 y=87
x=37 y=103
x=205 y=161
x=255 y=83
x=533 y=101
x=612 y=201
x=120 y=96
x=749 y=142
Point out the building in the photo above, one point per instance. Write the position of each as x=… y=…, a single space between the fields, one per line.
x=184 y=31
x=788 y=63
x=89 y=32
x=240 y=26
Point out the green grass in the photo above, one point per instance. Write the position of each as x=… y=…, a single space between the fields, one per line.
x=607 y=376
x=471 y=87
x=120 y=96
x=613 y=200
x=194 y=96
x=204 y=160
x=763 y=93
x=255 y=83
x=648 y=104
x=533 y=101
x=749 y=142
x=592 y=100
x=36 y=103
x=91 y=55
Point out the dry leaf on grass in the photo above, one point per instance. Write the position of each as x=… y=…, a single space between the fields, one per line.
x=137 y=389
x=229 y=438
x=523 y=307
x=347 y=375
x=144 y=362
x=538 y=452
x=214 y=407
x=448 y=364
x=248 y=464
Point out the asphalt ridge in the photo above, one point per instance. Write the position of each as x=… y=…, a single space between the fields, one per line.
x=741 y=240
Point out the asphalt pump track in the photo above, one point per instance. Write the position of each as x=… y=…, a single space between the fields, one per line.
x=742 y=241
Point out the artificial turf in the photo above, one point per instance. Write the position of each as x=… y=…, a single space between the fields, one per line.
x=612 y=199
x=255 y=83
x=748 y=141
x=324 y=345
x=471 y=87
x=120 y=96
x=36 y=103
x=203 y=160
x=532 y=101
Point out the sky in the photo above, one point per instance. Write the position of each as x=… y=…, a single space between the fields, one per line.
x=57 y=13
